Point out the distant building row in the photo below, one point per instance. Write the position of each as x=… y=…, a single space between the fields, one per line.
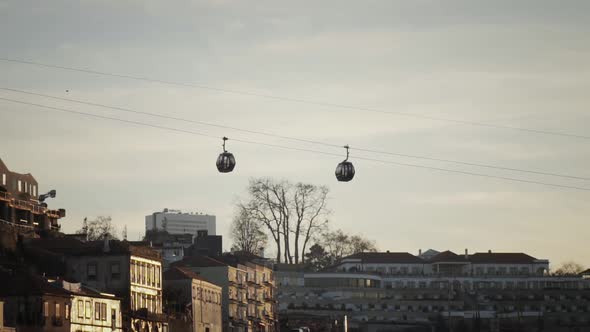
x=497 y=290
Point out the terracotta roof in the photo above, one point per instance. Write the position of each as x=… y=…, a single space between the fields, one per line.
x=198 y=261
x=448 y=256
x=501 y=258
x=386 y=257
x=26 y=284
x=74 y=247
x=180 y=273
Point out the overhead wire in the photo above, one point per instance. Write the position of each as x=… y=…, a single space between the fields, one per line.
x=60 y=109
x=268 y=134
x=296 y=100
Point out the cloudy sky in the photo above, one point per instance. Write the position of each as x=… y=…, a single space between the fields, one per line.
x=520 y=64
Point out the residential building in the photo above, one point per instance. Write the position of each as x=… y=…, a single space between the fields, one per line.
x=20 y=204
x=261 y=291
x=34 y=303
x=400 y=288
x=176 y=222
x=248 y=289
x=187 y=293
x=234 y=288
x=132 y=271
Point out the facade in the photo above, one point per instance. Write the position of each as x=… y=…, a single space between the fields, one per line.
x=176 y=222
x=34 y=303
x=399 y=288
x=20 y=206
x=132 y=271
x=248 y=289
x=189 y=294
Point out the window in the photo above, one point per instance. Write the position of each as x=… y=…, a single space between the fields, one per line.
x=132 y=271
x=91 y=271
x=143 y=274
x=115 y=270
x=35 y=191
x=57 y=310
x=88 y=310
x=103 y=311
x=80 y=309
x=45 y=309
x=3 y=179
x=113 y=318
x=158 y=276
x=67 y=311
x=20 y=185
x=26 y=187
x=96 y=311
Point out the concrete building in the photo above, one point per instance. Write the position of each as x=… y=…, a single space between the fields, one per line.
x=176 y=222
x=189 y=294
x=34 y=303
x=132 y=271
x=400 y=288
x=21 y=205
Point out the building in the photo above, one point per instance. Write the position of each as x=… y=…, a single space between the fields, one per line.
x=188 y=294
x=261 y=290
x=234 y=288
x=132 y=271
x=21 y=204
x=34 y=303
x=248 y=289
x=176 y=222
x=399 y=288
x=171 y=247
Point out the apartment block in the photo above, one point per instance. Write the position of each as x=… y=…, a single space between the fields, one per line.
x=194 y=302
x=131 y=271
x=22 y=206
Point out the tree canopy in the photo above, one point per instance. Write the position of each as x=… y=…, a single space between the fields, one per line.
x=97 y=229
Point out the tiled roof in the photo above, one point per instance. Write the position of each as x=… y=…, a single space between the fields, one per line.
x=199 y=261
x=501 y=258
x=386 y=257
x=180 y=273
x=74 y=247
x=447 y=256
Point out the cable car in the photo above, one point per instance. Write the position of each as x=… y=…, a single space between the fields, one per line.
x=345 y=170
x=226 y=161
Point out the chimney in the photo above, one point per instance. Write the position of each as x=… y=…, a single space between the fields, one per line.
x=419 y=252
x=490 y=251
x=106 y=247
x=466 y=253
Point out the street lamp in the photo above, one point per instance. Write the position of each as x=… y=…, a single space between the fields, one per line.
x=50 y=194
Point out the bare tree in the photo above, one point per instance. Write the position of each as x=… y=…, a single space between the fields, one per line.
x=96 y=229
x=569 y=269
x=247 y=233
x=290 y=213
x=310 y=209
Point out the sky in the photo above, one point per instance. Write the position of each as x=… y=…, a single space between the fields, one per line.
x=518 y=64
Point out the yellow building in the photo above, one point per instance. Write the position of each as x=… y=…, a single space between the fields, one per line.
x=188 y=294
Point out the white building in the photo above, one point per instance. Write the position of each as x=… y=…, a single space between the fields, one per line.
x=176 y=222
